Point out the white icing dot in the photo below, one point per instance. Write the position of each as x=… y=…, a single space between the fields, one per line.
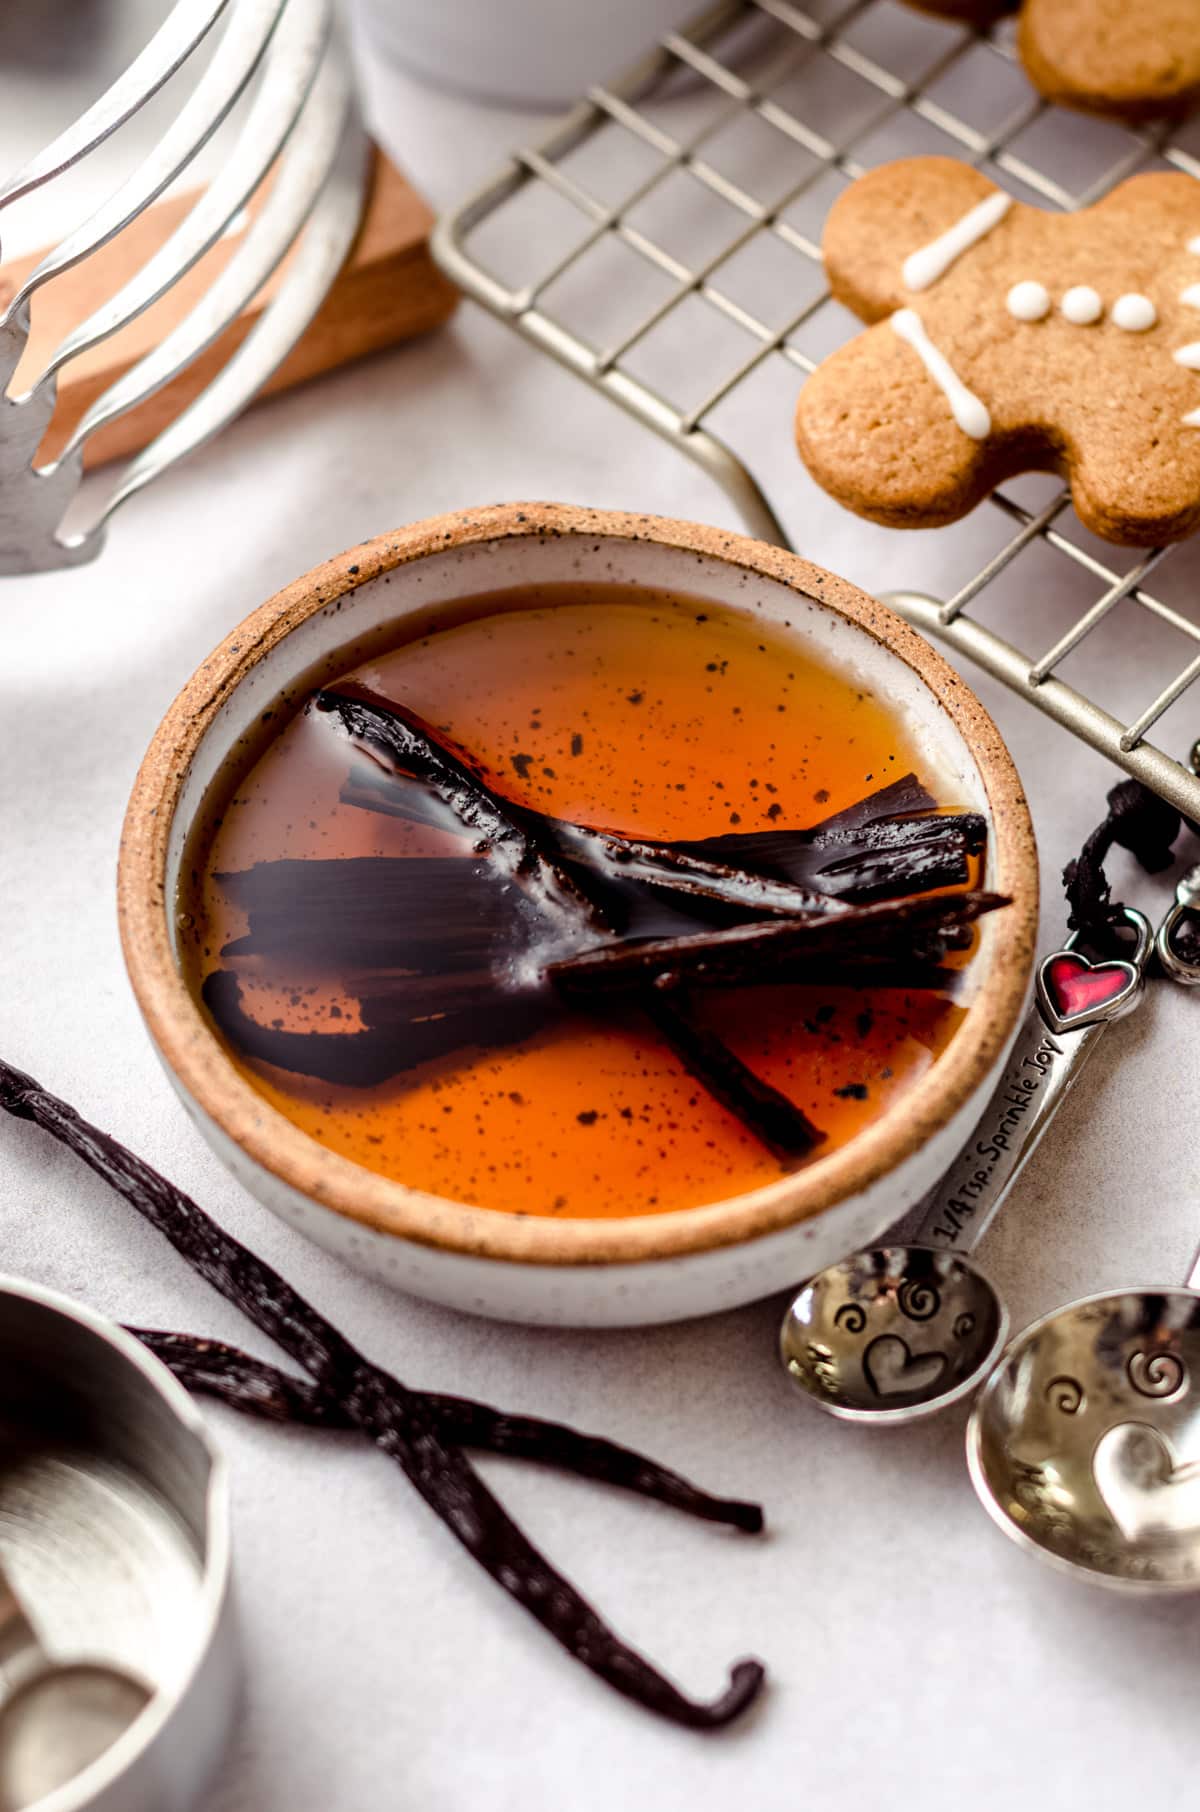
x=1134 y=313
x=1029 y=301
x=1194 y=245
x=1191 y=295
x=1082 y=305
x=1188 y=356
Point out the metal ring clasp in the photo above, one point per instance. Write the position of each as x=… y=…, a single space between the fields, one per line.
x=1143 y=931
x=1187 y=899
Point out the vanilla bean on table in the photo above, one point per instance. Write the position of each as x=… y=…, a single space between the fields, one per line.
x=213 y=1368
x=394 y=1417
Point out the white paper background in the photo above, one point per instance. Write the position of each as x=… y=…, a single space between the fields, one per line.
x=915 y=1657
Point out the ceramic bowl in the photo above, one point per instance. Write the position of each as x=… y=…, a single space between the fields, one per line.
x=529 y=1268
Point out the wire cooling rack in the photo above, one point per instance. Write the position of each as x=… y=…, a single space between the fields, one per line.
x=663 y=242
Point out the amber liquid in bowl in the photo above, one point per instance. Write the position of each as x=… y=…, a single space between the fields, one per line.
x=664 y=717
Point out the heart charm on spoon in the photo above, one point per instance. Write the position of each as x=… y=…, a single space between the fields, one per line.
x=1073 y=992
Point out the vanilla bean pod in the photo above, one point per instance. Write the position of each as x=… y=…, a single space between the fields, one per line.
x=892 y=843
x=779 y=1124
x=402 y=743
x=443 y=915
x=395 y=1038
x=760 y=951
x=213 y=1368
x=607 y=854
x=888 y=846
x=393 y=1416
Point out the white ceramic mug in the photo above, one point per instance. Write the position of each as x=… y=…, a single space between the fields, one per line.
x=543 y=53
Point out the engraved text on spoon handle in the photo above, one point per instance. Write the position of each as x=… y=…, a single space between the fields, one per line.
x=1040 y=1070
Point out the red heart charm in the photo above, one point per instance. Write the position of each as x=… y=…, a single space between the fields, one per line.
x=1074 y=992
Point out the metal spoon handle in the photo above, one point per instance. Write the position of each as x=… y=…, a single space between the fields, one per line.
x=1051 y=1049
x=1037 y=1077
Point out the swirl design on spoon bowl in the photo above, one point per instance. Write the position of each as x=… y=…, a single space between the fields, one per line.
x=1066 y=1394
x=1161 y=1375
x=918 y=1299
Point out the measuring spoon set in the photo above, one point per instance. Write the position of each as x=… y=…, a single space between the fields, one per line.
x=1075 y=1442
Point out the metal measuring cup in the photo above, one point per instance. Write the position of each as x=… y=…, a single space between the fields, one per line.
x=897 y=1332
x=118 y=1675
x=56 y=1717
x=1078 y=1446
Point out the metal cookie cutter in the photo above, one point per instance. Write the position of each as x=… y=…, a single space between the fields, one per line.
x=117 y=1652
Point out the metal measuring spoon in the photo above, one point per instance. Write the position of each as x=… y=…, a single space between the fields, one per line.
x=1079 y=1444
x=898 y=1332
x=59 y=1717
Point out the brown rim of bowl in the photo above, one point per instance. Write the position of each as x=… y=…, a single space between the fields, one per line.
x=197 y=1059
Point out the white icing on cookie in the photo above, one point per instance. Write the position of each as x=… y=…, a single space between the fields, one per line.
x=924 y=266
x=1192 y=419
x=1134 y=313
x=1188 y=355
x=970 y=414
x=1194 y=244
x=1028 y=301
x=1191 y=295
x=1082 y=305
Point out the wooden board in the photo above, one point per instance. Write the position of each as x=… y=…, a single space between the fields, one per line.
x=388 y=291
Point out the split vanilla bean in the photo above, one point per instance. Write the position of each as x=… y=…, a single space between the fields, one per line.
x=759 y=952
x=440 y=953
x=212 y=1368
x=409 y=1026
x=391 y=1415
x=402 y=743
x=785 y=1130
x=892 y=843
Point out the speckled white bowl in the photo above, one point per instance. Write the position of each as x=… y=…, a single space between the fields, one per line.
x=531 y=1268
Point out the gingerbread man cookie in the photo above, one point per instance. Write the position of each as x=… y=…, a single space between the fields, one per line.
x=1010 y=340
x=1126 y=57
